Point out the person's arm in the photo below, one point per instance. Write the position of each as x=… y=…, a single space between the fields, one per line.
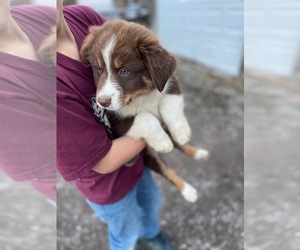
x=122 y=150
x=83 y=143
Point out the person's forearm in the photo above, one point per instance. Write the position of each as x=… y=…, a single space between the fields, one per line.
x=123 y=150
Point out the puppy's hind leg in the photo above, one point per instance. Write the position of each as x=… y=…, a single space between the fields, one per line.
x=156 y=164
x=196 y=153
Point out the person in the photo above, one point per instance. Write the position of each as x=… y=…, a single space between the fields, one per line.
x=27 y=96
x=108 y=172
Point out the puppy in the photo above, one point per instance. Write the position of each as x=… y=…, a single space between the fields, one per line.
x=135 y=84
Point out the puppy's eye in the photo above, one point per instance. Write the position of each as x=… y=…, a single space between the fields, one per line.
x=124 y=72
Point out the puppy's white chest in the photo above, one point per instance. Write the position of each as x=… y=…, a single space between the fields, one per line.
x=148 y=103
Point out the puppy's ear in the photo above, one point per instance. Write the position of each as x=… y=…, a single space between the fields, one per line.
x=87 y=44
x=160 y=63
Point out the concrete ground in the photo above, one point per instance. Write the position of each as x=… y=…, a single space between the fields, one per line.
x=27 y=221
x=272 y=173
x=215 y=111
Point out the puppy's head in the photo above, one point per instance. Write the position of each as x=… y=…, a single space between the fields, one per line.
x=127 y=61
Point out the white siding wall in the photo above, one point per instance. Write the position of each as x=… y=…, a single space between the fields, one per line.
x=44 y=2
x=98 y=5
x=272 y=35
x=209 y=32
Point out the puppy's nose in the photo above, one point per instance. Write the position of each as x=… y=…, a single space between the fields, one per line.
x=104 y=101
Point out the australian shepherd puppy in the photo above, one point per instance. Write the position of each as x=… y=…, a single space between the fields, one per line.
x=136 y=85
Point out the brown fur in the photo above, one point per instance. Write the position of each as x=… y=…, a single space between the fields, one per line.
x=118 y=63
x=140 y=52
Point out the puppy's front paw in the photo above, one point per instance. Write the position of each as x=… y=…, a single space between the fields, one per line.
x=162 y=144
x=184 y=136
x=181 y=133
x=147 y=126
x=189 y=193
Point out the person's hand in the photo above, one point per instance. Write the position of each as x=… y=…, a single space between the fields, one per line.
x=147 y=126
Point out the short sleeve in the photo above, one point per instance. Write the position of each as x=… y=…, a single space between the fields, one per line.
x=79 y=19
x=88 y=15
x=81 y=140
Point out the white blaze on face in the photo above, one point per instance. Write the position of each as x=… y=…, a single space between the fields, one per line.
x=110 y=88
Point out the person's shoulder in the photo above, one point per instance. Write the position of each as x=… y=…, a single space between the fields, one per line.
x=38 y=12
x=83 y=13
x=34 y=10
x=82 y=9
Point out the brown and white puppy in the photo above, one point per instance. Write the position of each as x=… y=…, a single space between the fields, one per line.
x=135 y=84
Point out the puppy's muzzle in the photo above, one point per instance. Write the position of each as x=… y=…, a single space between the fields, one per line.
x=104 y=100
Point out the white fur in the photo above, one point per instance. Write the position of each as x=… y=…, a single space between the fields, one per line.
x=189 y=193
x=167 y=87
x=171 y=110
x=106 y=52
x=146 y=103
x=147 y=126
x=110 y=88
x=201 y=154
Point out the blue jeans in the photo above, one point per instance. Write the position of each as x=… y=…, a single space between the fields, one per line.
x=136 y=216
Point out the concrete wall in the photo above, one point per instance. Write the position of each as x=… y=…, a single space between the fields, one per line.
x=209 y=32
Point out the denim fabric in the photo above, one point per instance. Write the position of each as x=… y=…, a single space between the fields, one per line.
x=133 y=217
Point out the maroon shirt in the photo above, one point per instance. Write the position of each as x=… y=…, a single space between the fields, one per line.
x=82 y=140
x=27 y=107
